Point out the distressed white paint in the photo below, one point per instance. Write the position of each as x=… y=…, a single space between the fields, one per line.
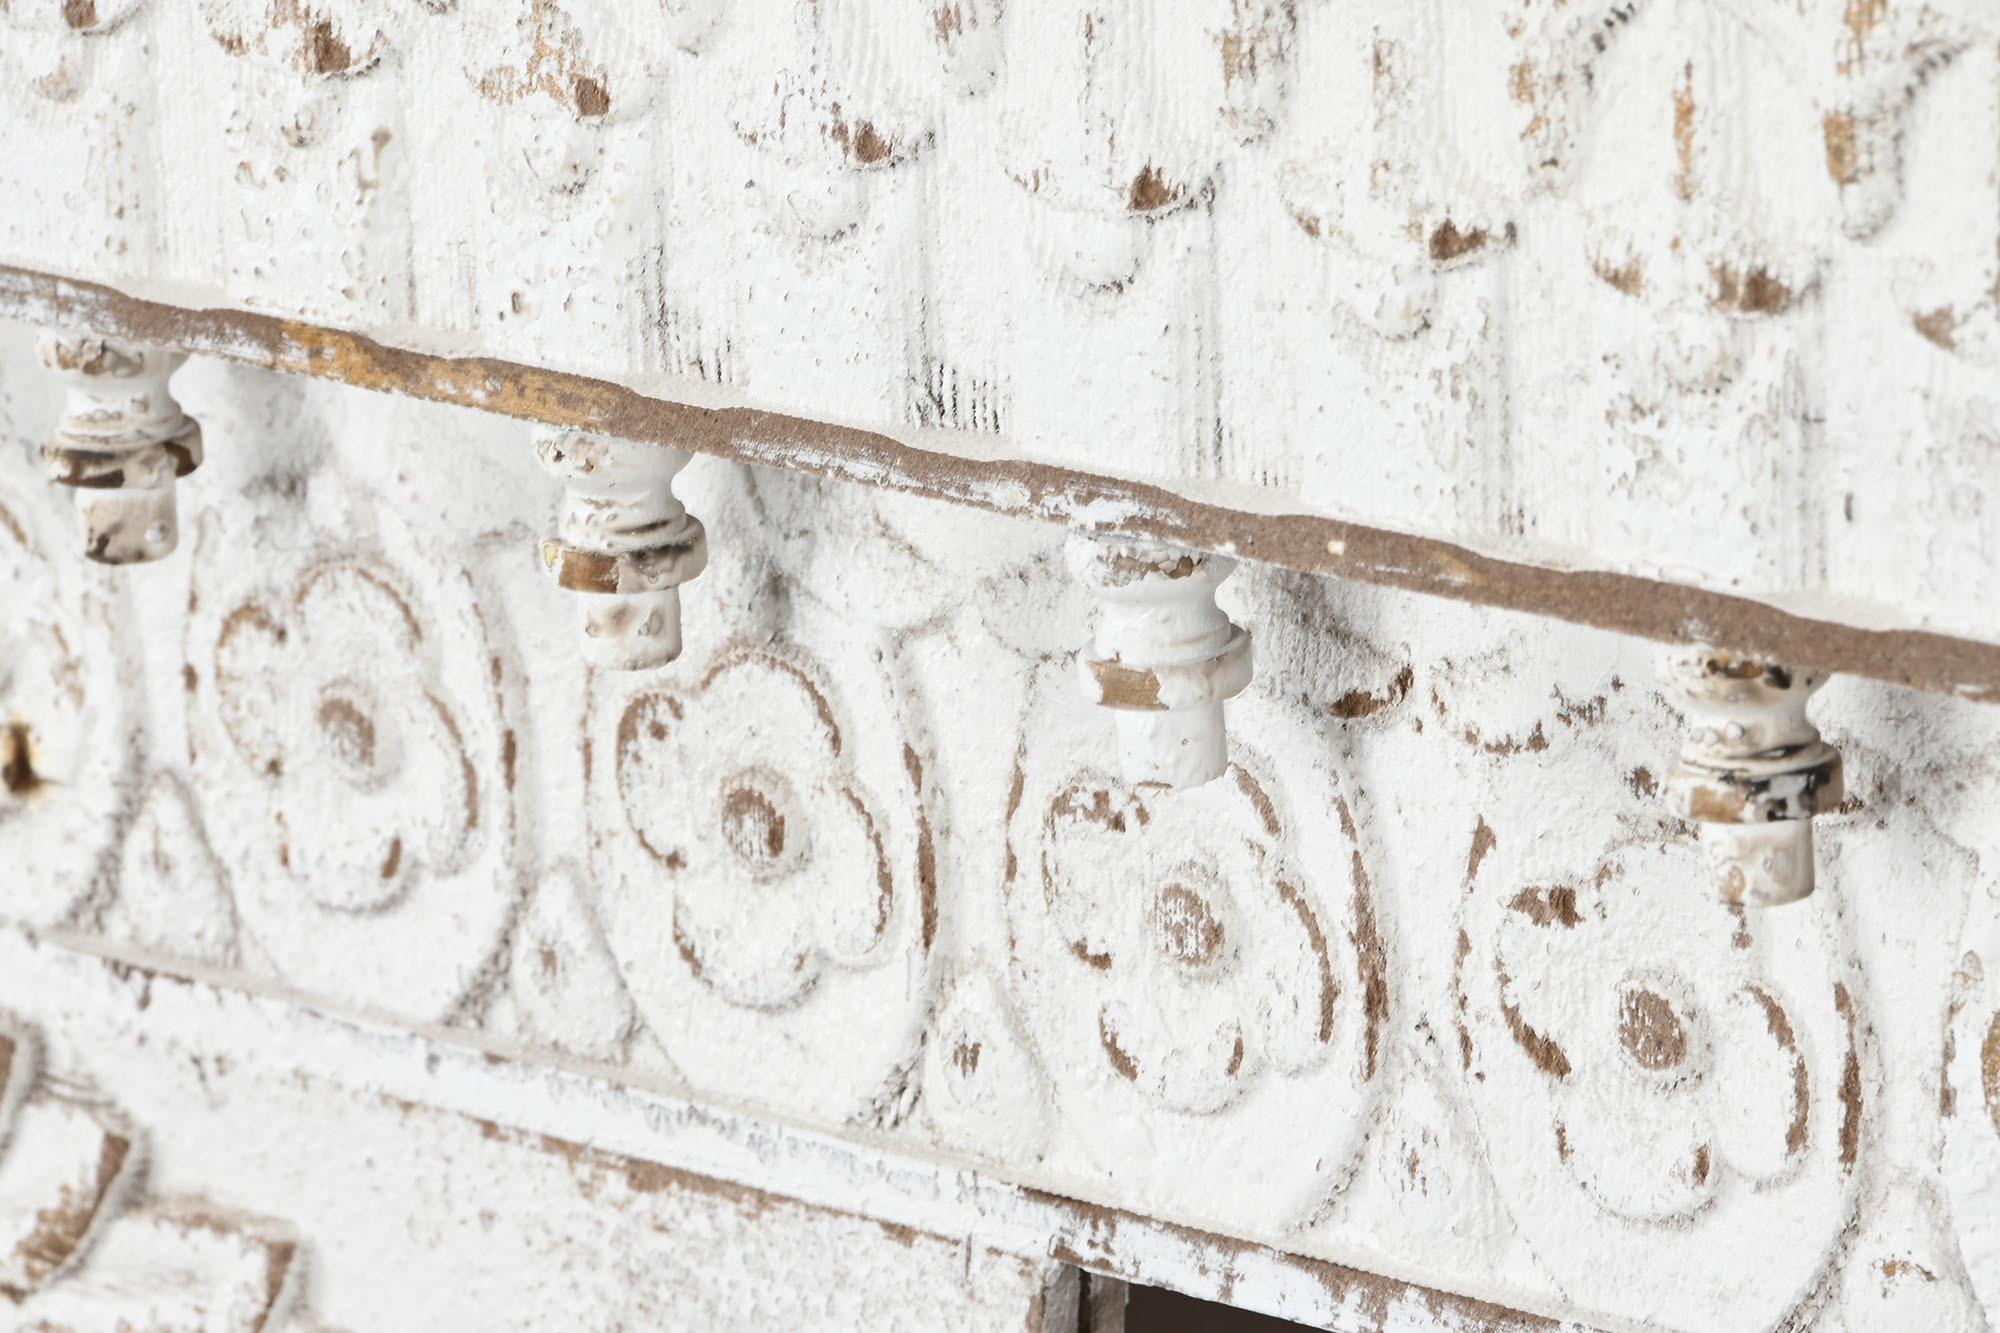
x=121 y=445
x=1679 y=287
x=1164 y=657
x=281 y=1199
x=1315 y=1004
x=625 y=544
x=850 y=904
x=1753 y=772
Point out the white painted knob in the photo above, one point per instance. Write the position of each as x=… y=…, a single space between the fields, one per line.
x=1753 y=771
x=624 y=545
x=122 y=443
x=1164 y=656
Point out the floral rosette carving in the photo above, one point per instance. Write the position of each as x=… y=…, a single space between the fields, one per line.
x=1653 y=1072
x=66 y=752
x=765 y=873
x=1210 y=984
x=347 y=737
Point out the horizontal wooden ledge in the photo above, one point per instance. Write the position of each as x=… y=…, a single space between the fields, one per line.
x=1623 y=603
x=576 y=1107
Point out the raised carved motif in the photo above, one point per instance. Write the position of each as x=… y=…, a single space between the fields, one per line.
x=1642 y=1056
x=1946 y=242
x=1207 y=964
x=346 y=733
x=564 y=983
x=49 y=43
x=1969 y=1099
x=983 y=1089
x=1404 y=175
x=67 y=1163
x=170 y=895
x=839 y=108
x=79 y=1247
x=66 y=749
x=1675 y=187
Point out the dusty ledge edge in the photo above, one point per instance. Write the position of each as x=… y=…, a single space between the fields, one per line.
x=1622 y=603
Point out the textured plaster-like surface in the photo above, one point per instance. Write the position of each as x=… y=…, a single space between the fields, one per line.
x=1686 y=288
x=1430 y=985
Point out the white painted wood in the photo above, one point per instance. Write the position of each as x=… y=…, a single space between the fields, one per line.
x=1431 y=984
x=1164 y=657
x=625 y=545
x=1682 y=288
x=121 y=445
x=283 y=1196
x=1753 y=772
x=844 y=968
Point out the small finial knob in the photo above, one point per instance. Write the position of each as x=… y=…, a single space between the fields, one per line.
x=122 y=443
x=624 y=544
x=1753 y=771
x=1164 y=657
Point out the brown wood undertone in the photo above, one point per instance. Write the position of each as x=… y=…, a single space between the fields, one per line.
x=1623 y=603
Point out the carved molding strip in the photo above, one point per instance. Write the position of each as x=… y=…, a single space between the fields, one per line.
x=1628 y=604
x=84 y=1246
x=191 y=1012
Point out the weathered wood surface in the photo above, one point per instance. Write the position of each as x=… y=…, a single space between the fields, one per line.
x=1431 y=984
x=401 y=1204
x=1630 y=604
x=394 y=1214
x=1681 y=288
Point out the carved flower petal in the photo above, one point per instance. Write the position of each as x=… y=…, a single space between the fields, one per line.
x=1183 y=1046
x=395 y=769
x=1677 y=1172
x=749 y=941
x=1761 y=1097
x=1297 y=991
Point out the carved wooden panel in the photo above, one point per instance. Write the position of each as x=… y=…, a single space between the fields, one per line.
x=1426 y=1009
x=1680 y=287
x=66 y=751
x=404 y=1216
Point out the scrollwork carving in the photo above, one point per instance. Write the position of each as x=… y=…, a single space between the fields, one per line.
x=80 y=1248
x=1969 y=1102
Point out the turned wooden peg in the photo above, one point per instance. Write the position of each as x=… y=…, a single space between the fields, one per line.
x=1753 y=771
x=121 y=445
x=1164 y=657
x=624 y=544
